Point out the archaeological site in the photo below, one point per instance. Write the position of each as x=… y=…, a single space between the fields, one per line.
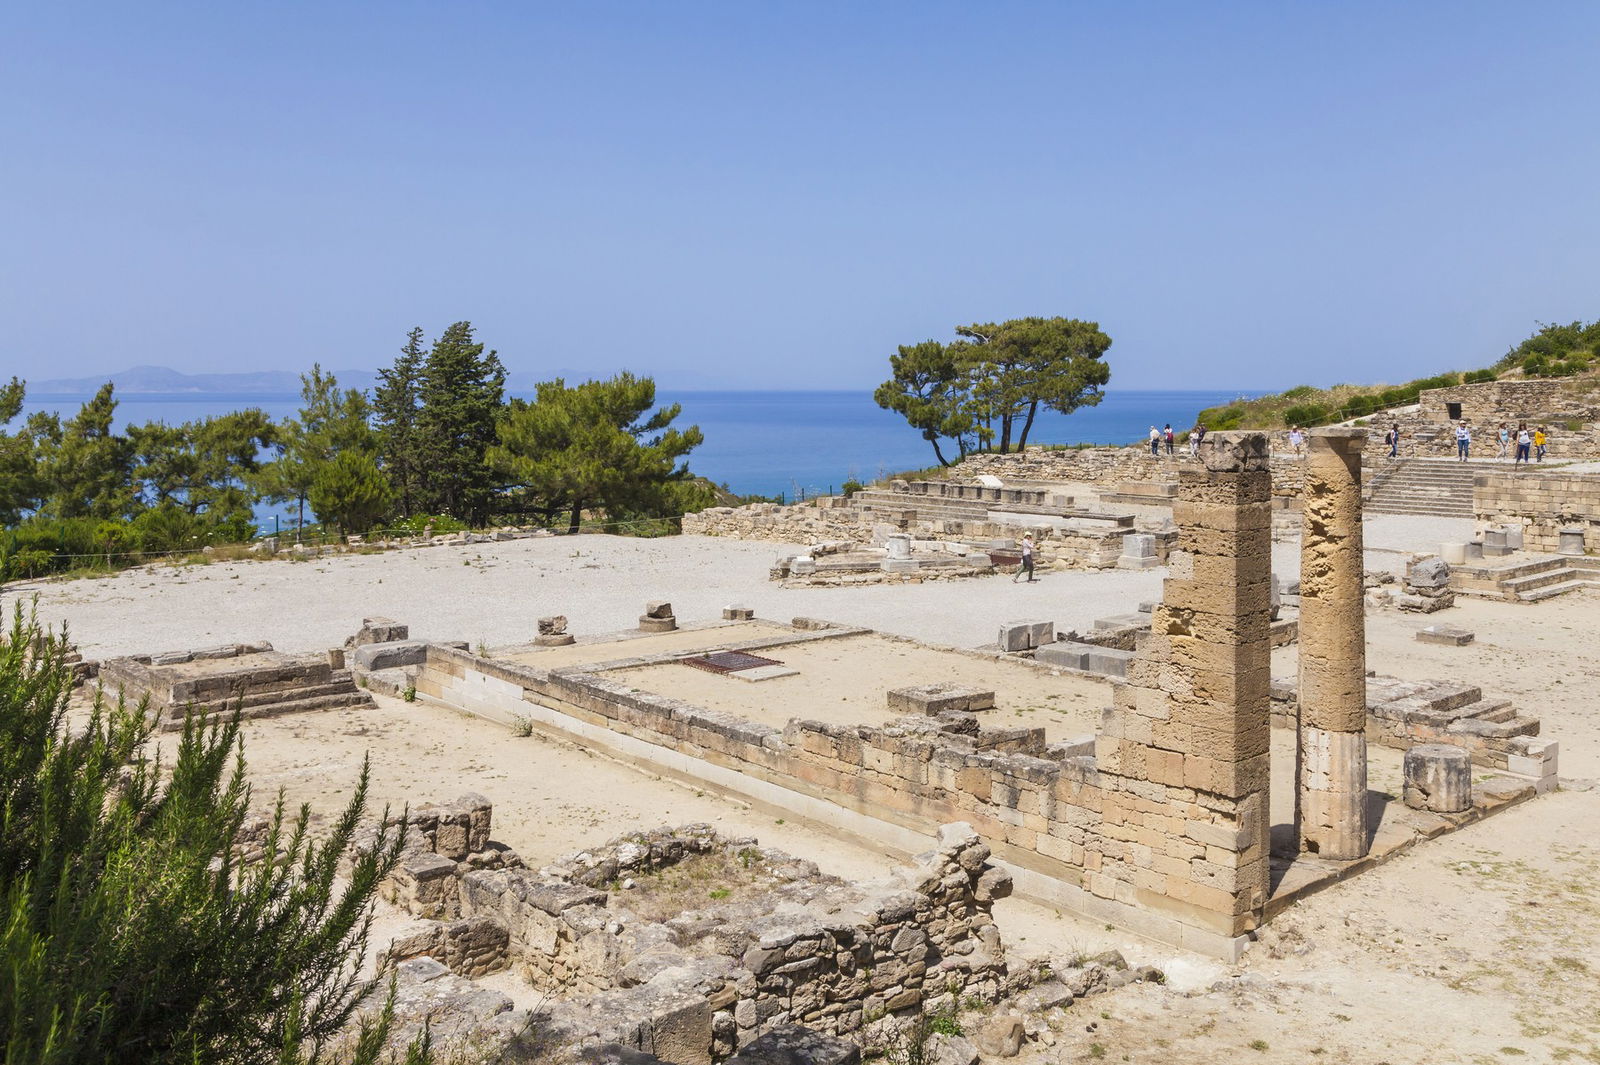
x=1253 y=697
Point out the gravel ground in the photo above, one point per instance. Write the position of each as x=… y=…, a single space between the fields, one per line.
x=492 y=593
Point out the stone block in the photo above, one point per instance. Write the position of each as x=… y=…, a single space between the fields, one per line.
x=379 y=630
x=934 y=699
x=555 y=625
x=1445 y=634
x=1138 y=552
x=1026 y=635
x=790 y=1044
x=647 y=623
x=1429 y=573
x=1069 y=654
x=1438 y=777
x=738 y=613
x=658 y=608
x=901 y=565
x=391 y=654
x=1453 y=554
x=1570 y=540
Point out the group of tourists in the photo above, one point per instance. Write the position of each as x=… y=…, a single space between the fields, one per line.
x=1530 y=444
x=1165 y=437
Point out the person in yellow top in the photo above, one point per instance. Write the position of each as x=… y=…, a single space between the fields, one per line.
x=1538 y=442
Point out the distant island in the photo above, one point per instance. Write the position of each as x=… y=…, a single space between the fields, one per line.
x=163 y=380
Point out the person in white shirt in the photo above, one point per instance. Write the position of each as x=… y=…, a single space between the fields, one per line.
x=1155 y=441
x=1463 y=440
x=1297 y=438
x=1026 y=569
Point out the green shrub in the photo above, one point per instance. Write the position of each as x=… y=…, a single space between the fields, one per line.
x=133 y=932
x=1357 y=406
x=1299 y=392
x=1305 y=414
x=1444 y=380
x=851 y=487
x=1475 y=377
x=442 y=524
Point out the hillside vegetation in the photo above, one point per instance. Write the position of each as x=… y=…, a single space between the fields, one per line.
x=1553 y=351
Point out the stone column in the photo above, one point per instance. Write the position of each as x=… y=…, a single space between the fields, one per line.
x=1333 y=649
x=1184 y=753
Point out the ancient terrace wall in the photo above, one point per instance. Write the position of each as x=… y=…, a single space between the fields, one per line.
x=937 y=513
x=1544 y=503
x=1531 y=400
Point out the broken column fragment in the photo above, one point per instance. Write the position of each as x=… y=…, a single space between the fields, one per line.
x=553 y=632
x=658 y=617
x=1333 y=649
x=1438 y=777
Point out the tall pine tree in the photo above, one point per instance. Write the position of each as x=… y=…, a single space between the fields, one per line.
x=395 y=403
x=332 y=420
x=461 y=397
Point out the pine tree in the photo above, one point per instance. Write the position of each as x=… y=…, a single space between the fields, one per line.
x=331 y=421
x=350 y=491
x=86 y=467
x=395 y=403
x=461 y=398
x=591 y=447
x=20 y=486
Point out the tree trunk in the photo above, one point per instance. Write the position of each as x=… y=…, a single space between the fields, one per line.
x=577 y=516
x=1033 y=408
x=1005 y=433
x=300 y=524
x=935 y=442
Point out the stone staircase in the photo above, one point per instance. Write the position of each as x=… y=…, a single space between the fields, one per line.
x=1529 y=580
x=887 y=505
x=1438 y=487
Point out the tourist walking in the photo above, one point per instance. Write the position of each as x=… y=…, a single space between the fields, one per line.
x=1539 y=441
x=1197 y=436
x=1393 y=440
x=1524 y=443
x=1166 y=434
x=1504 y=436
x=1026 y=569
x=1463 y=440
x=1155 y=441
x=1297 y=439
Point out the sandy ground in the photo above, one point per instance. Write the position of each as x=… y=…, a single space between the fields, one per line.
x=1479 y=947
x=845 y=681
x=494 y=593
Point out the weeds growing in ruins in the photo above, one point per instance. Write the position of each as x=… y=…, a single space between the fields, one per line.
x=130 y=928
x=409 y=693
x=521 y=727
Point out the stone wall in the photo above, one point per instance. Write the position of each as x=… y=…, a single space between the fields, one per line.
x=830 y=518
x=1530 y=400
x=1041 y=811
x=1543 y=503
x=788 y=945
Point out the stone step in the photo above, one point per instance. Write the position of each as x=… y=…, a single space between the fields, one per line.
x=1553 y=590
x=1521 y=585
x=333 y=701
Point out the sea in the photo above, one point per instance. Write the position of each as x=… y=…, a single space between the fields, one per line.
x=791 y=445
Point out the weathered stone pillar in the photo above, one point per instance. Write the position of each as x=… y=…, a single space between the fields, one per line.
x=1333 y=649
x=1184 y=753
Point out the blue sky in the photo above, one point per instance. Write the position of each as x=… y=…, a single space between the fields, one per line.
x=775 y=195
